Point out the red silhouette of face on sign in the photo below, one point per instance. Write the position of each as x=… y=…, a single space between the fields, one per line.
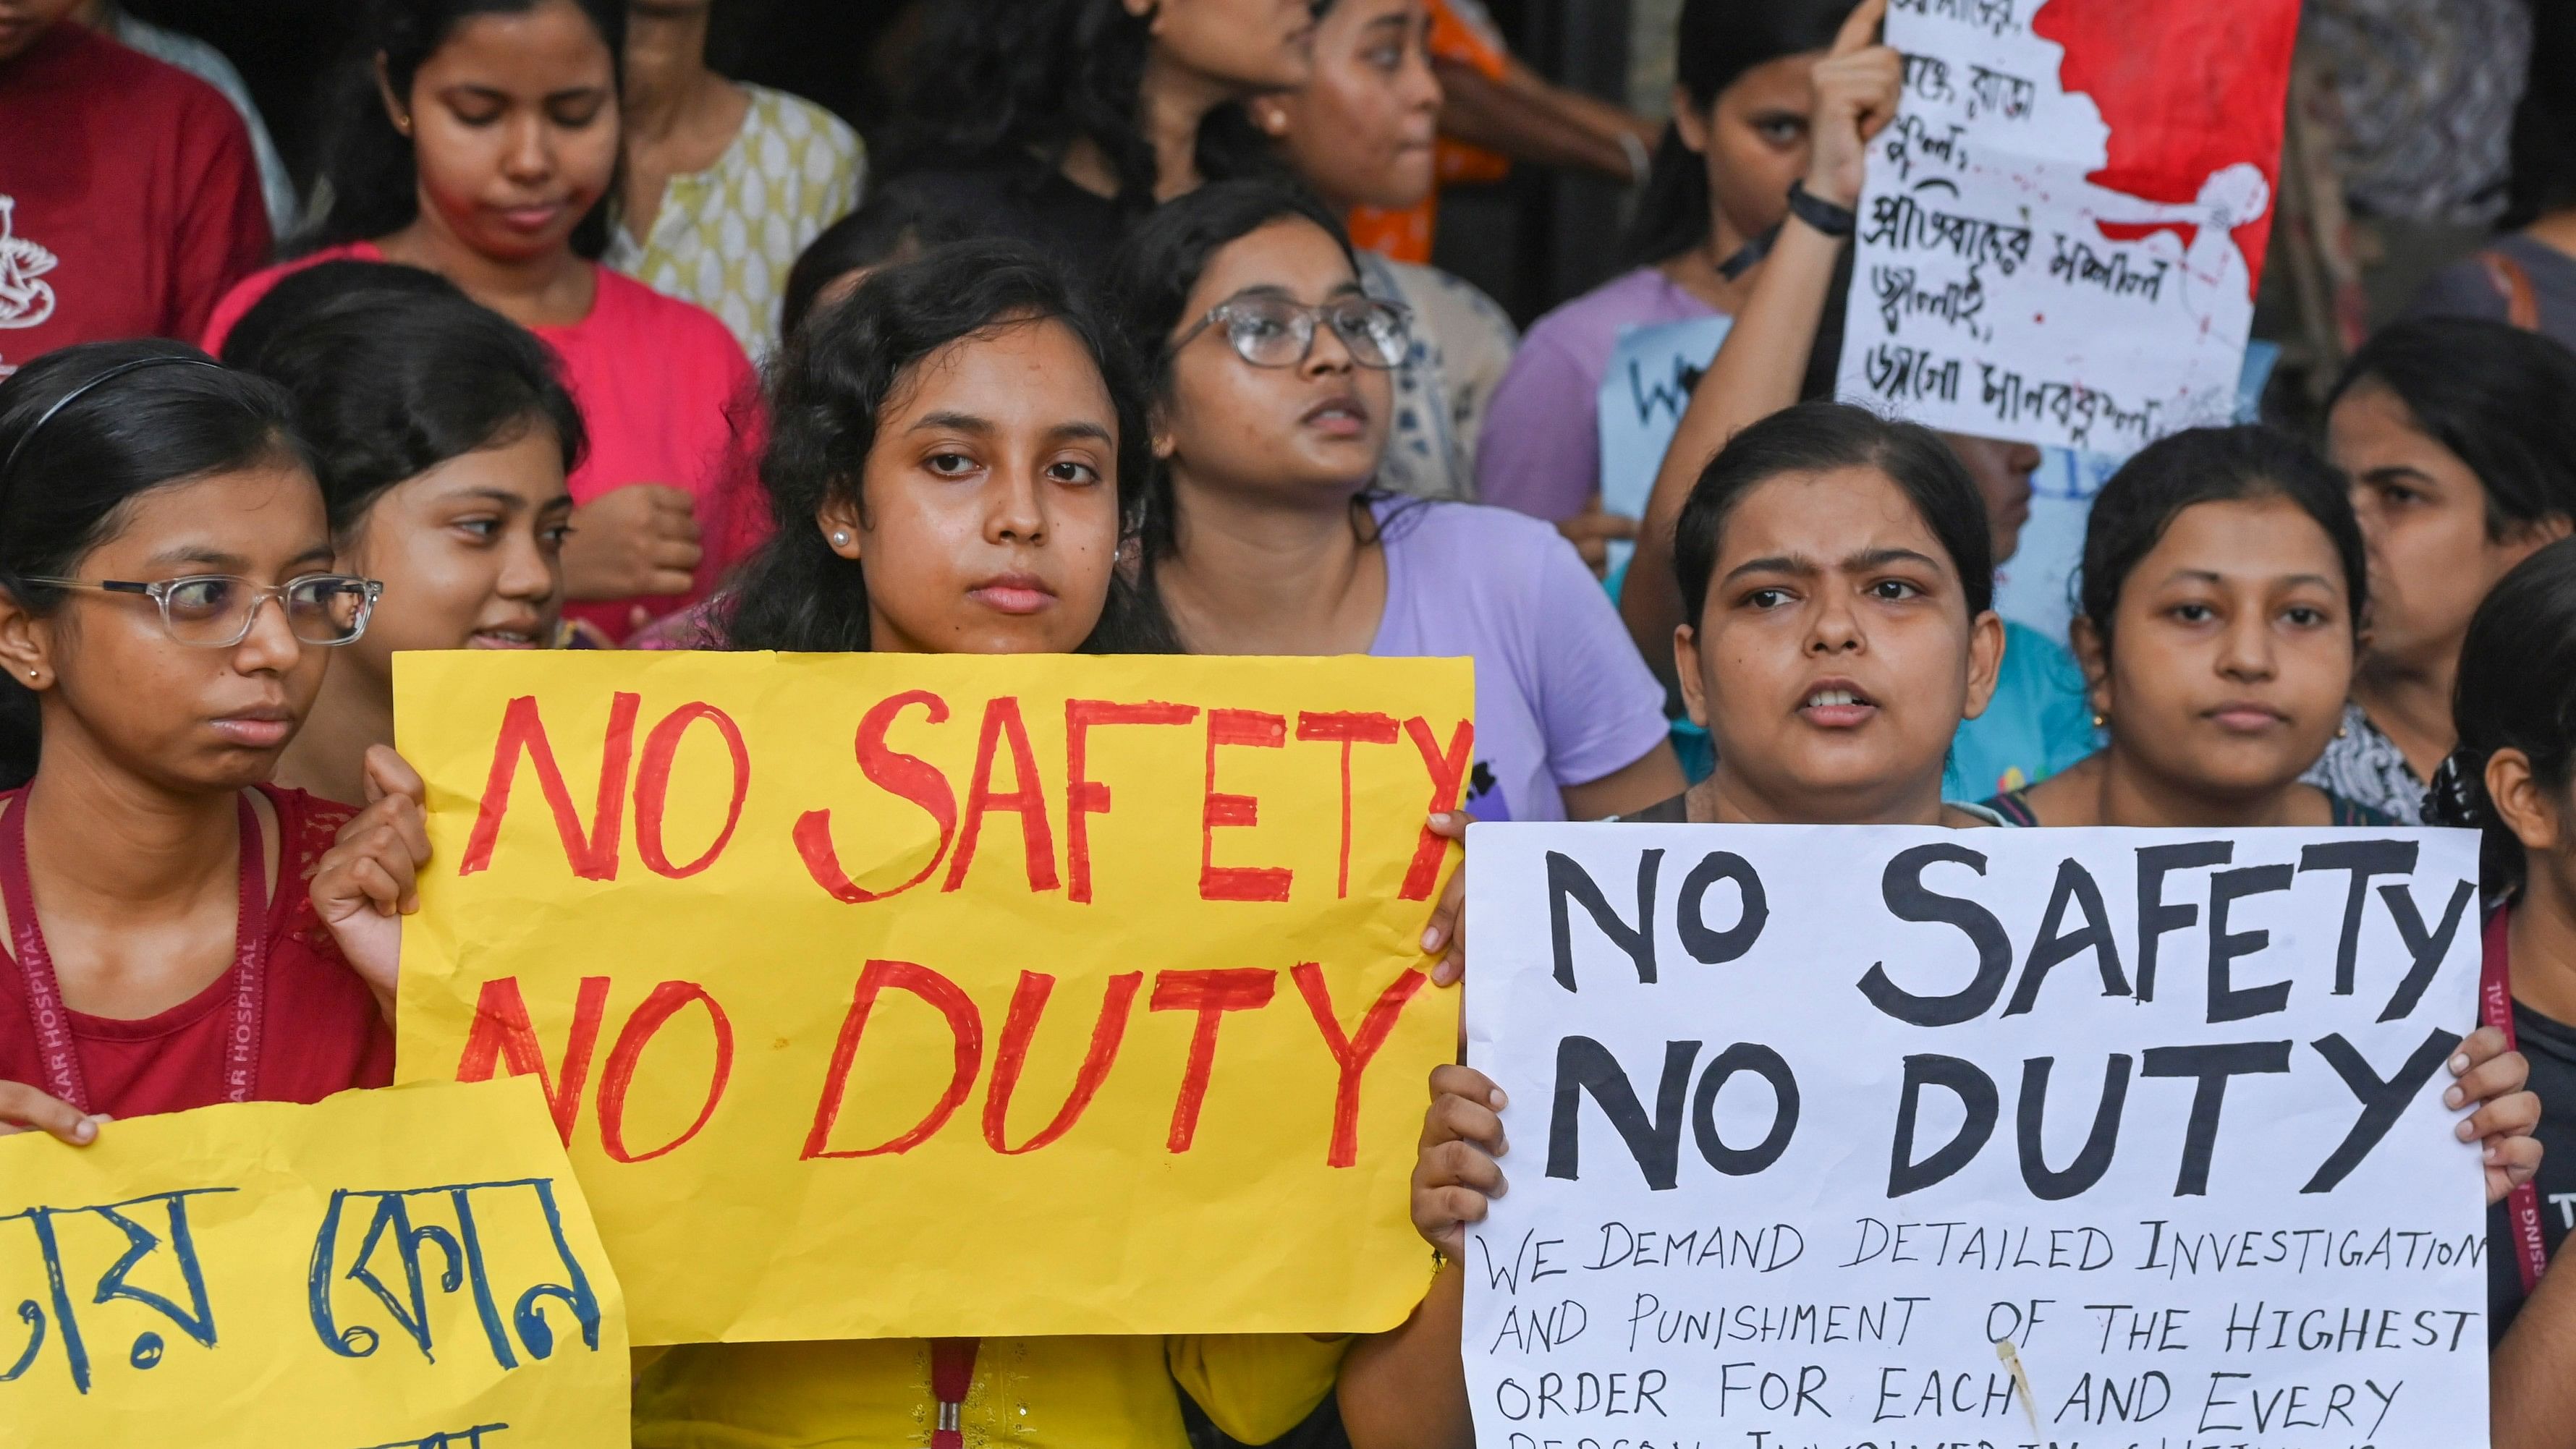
x=2187 y=88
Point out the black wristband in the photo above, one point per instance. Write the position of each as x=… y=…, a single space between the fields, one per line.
x=1823 y=215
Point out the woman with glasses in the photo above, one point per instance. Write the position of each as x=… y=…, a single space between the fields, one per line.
x=1266 y=536
x=443 y=437
x=167 y=603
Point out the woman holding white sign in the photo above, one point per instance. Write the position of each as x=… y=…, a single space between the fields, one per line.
x=1835 y=566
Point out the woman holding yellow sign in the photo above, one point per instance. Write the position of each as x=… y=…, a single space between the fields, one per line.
x=957 y=458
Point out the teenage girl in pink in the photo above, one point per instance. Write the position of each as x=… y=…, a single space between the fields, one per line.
x=486 y=151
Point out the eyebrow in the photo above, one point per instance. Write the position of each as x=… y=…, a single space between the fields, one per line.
x=1775 y=564
x=1093 y=431
x=2397 y=470
x=1879 y=558
x=1862 y=562
x=215 y=558
x=2211 y=576
x=952 y=422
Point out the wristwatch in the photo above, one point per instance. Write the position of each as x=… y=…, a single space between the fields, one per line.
x=1823 y=215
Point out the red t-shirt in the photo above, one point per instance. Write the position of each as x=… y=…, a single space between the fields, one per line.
x=129 y=199
x=320 y=1029
x=667 y=395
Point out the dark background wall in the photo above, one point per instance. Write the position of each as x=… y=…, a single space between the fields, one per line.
x=1531 y=240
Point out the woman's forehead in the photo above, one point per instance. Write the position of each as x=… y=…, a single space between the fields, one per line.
x=1824 y=517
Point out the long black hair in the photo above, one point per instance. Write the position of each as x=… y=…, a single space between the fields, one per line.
x=1004 y=78
x=1150 y=283
x=2516 y=690
x=1820 y=437
x=395 y=371
x=87 y=428
x=370 y=169
x=2502 y=400
x=825 y=393
x=2210 y=465
x=1719 y=41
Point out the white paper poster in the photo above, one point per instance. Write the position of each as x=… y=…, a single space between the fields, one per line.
x=2064 y=226
x=1914 y=1137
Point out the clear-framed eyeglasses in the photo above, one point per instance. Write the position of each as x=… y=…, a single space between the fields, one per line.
x=216 y=611
x=1271 y=331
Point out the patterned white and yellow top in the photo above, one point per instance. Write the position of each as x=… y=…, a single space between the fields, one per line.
x=726 y=236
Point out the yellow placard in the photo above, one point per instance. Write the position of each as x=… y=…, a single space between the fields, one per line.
x=891 y=995
x=411 y=1268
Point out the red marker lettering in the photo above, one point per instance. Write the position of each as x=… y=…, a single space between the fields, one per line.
x=1085 y=797
x=1236 y=882
x=964 y=1024
x=896 y=773
x=593 y=854
x=1211 y=994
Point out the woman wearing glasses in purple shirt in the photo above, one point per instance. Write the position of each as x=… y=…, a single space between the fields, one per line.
x=1266 y=534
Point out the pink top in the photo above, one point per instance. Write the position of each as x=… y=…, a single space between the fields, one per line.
x=667 y=395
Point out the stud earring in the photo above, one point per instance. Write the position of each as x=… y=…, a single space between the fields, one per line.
x=2343 y=732
x=2101 y=720
x=840 y=538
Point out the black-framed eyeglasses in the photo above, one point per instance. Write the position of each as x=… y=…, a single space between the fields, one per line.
x=1280 y=332
x=216 y=611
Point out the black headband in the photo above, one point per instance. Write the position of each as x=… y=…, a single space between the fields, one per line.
x=67 y=399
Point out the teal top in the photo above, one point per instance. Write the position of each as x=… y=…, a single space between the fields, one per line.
x=2037 y=724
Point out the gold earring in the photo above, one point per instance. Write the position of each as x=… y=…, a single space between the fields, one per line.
x=2101 y=720
x=2343 y=732
x=402 y=124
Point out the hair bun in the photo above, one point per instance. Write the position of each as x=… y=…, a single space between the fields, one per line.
x=2458 y=794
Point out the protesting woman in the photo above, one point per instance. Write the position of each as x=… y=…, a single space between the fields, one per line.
x=2513 y=779
x=443 y=438
x=167 y=602
x=2459 y=442
x=1361 y=133
x=957 y=456
x=484 y=147
x=1835 y=570
x=1271 y=398
x=2223 y=592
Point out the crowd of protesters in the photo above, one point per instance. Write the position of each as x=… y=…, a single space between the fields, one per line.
x=575 y=342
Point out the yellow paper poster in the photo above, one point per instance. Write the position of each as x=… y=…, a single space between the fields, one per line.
x=383 y=1270
x=890 y=995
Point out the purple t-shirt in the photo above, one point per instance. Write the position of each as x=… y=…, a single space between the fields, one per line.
x=1561 y=696
x=1541 y=450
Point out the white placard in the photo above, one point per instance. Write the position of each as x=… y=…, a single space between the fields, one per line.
x=1912 y=1137
x=2068 y=266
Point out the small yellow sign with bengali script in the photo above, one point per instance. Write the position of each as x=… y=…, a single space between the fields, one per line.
x=412 y=1268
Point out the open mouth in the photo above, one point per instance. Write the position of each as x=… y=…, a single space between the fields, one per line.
x=1340 y=417
x=505 y=639
x=1836 y=705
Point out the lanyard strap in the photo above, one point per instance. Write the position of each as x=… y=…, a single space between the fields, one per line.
x=952 y=1373
x=2495 y=1007
x=55 y=1044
